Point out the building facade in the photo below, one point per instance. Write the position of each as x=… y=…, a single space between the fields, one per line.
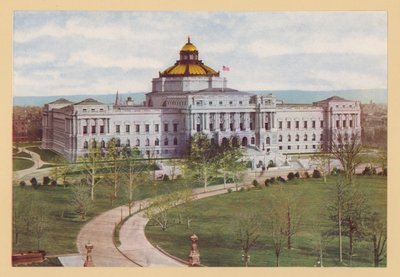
x=190 y=97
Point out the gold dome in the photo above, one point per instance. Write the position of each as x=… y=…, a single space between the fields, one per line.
x=189 y=64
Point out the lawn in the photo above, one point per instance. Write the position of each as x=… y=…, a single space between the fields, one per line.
x=213 y=221
x=20 y=164
x=45 y=154
x=63 y=224
x=22 y=155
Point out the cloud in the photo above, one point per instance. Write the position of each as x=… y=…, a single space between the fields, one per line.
x=31 y=59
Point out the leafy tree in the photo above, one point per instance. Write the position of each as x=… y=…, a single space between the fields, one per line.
x=347 y=150
x=202 y=161
x=62 y=168
x=81 y=201
x=230 y=161
x=40 y=222
x=91 y=165
x=322 y=162
x=159 y=209
x=114 y=160
x=375 y=231
x=246 y=231
x=183 y=199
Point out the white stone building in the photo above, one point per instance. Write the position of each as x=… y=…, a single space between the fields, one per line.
x=191 y=97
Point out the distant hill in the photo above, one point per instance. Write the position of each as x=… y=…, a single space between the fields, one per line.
x=288 y=96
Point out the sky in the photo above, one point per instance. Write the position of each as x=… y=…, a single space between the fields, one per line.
x=80 y=53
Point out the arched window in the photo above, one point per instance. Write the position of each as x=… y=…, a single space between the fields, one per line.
x=305 y=137
x=289 y=138
x=253 y=140
x=175 y=141
x=268 y=140
x=157 y=142
x=166 y=141
x=103 y=144
x=280 y=138
x=85 y=145
x=137 y=142
x=147 y=142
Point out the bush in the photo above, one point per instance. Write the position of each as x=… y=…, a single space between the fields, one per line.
x=241 y=189
x=290 y=176
x=22 y=184
x=306 y=174
x=316 y=174
x=34 y=183
x=54 y=183
x=280 y=179
x=179 y=177
x=165 y=177
x=46 y=180
x=255 y=183
x=271 y=164
x=297 y=175
x=266 y=182
x=384 y=172
x=229 y=190
x=335 y=171
x=272 y=180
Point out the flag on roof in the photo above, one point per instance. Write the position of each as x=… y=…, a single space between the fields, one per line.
x=225 y=68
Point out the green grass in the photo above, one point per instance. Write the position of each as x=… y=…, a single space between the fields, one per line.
x=213 y=220
x=20 y=164
x=23 y=155
x=47 y=166
x=61 y=231
x=27 y=144
x=45 y=154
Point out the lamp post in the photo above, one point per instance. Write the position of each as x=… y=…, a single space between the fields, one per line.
x=89 y=261
x=194 y=255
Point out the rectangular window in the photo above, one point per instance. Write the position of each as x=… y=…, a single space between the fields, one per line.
x=84 y=130
x=137 y=128
x=322 y=124
x=344 y=123
x=175 y=127
x=211 y=127
x=266 y=126
x=280 y=124
x=313 y=123
x=337 y=123
x=280 y=147
x=240 y=102
x=147 y=128
x=198 y=128
x=221 y=127
x=289 y=147
x=220 y=102
x=166 y=127
x=156 y=128
x=305 y=124
x=102 y=129
x=127 y=129
x=84 y=110
x=288 y=124
x=231 y=126
x=297 y=124
x=241 y=126
x=351 y=123
x=93 y=129
x=251 y=126
x=117 y=129
x=210 y=103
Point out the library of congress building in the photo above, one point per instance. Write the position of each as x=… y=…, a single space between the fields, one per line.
x=190 y=97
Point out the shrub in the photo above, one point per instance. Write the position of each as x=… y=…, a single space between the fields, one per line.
x=384 y=172
x=290 y=176
x=54 y=183
x=297 y=175
x=165 y=177
x=179 y=177
x=229 y=190
x=22 y=184
x=255 y=183
x=34 y=183
x=316 y=174
x=46 y=180
x=306 y=174
x=241 y=189
x=266 y=182
x=367 y=171
x=271 y=164
x=273 y=180
x=280 y=179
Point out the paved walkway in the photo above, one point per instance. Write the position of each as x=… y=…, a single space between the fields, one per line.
x=135 y=249
x=33 y=171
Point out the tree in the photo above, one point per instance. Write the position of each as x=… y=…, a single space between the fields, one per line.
x=276 y=226
x=375 y=231
x=202 y=160
x=62 y=168
x=113 y=157
x=183 y=198
x=320 y=241
x=135 y=170
x=81 y=201
x=247 y=231
x=347 y=150
x=40 y=221
x=322 y=161
x=230 y=161
x=159 y=208
x=91 y=165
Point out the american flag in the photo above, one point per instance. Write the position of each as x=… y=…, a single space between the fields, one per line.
x=225 y=68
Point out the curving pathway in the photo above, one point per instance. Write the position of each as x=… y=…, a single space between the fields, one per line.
x=135 y=249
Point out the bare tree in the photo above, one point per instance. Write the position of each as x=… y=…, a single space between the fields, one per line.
x=322 y=161
x=159 y=208
x=114 y=160
x=347 y=150
x=91 y=164
x=40 y=222
x=276 y=225
x=81 y=201
x=375 y=231
x=247 y=231
x=320 y=241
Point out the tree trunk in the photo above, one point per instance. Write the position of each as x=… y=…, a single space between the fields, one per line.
x=205 y=180
x=224 y=180
x=246 y=258
x=340 y=233
x=277 y=260
x=320 y=257
x=289 y=232
x=188 y=223
x=376 y=258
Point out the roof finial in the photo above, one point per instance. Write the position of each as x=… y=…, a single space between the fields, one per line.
x=188 y=38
